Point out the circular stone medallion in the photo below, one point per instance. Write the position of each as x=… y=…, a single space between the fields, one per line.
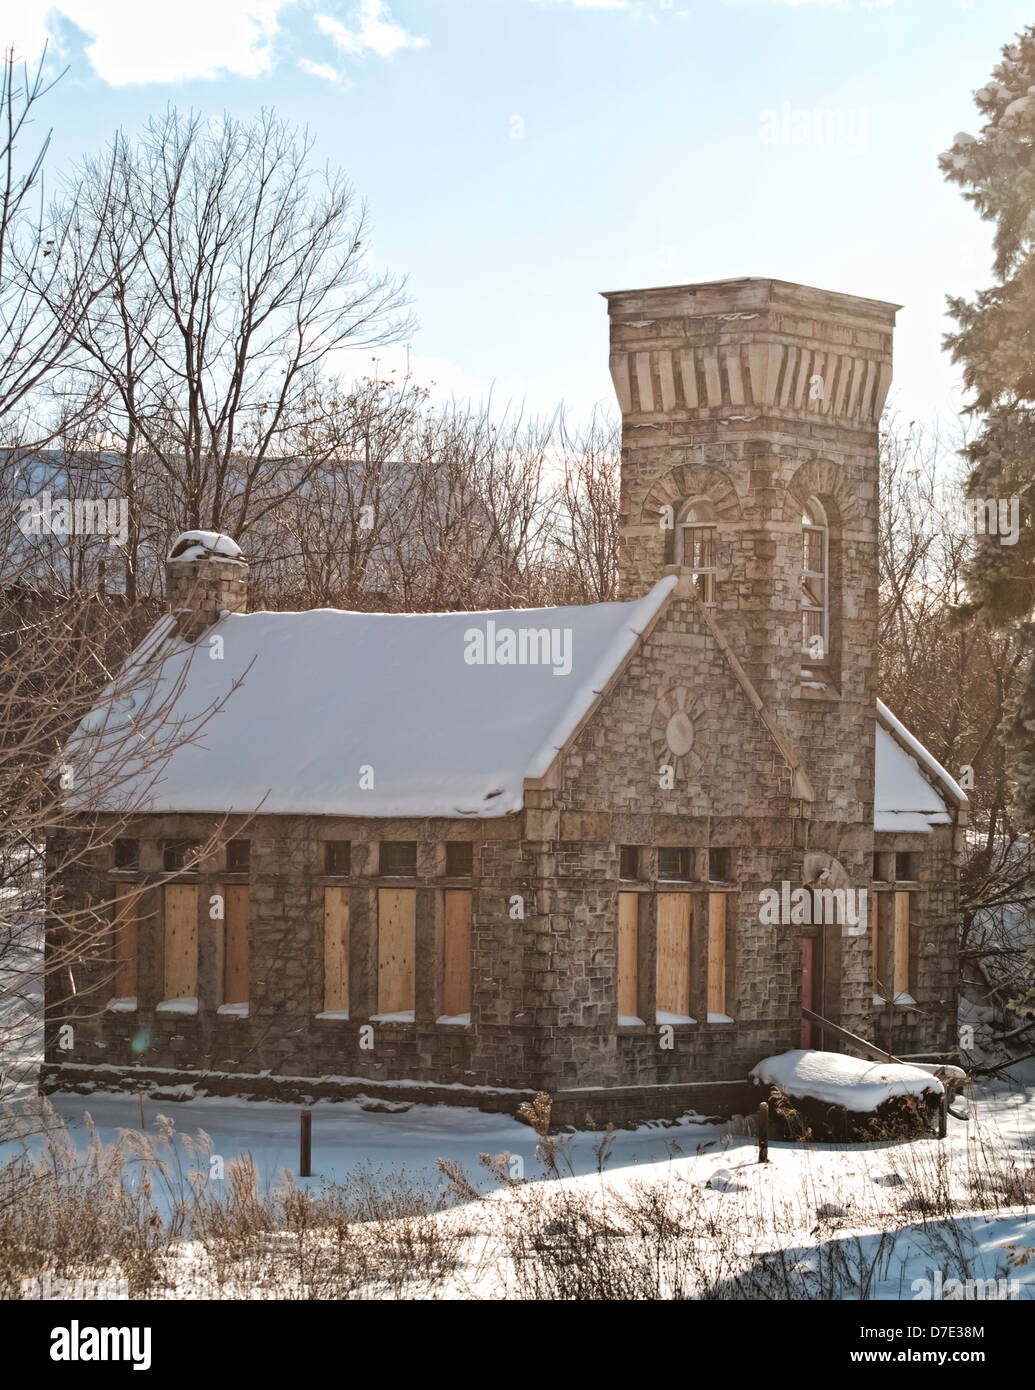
x=679 y=734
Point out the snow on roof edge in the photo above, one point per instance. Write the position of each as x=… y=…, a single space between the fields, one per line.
x=897 y=729
x=903 y=822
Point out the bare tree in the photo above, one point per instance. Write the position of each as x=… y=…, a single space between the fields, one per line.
x=250 y=271
x=50 y=278
x=951 y=676
x=328 y=544
x=591 y=460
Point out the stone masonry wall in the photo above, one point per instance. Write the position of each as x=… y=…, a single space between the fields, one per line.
x=281 y=1033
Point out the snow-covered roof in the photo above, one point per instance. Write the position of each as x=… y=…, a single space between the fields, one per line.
x=384 y=714
x=905 y=797
x=365 y=714
x=204 y=545
x=836 y=1079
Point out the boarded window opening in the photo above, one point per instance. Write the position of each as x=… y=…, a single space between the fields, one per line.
x=901 y=960
x=335 y=949
x=717 y=953
x=628 y=945
x=673 y=955
x=456 y=983
x=889 y=926
x=181 y=942
x=235 y=986
x=875 y=938
x=124 y=943
x=396 y=950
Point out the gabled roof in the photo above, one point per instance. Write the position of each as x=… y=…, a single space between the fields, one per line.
x=912 y=790
x=325 y=694
x=383 y=714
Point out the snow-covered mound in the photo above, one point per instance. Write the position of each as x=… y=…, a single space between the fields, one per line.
x=834 y=1079
x=205 y=545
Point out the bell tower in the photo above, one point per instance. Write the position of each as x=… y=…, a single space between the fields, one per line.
x=750 y=413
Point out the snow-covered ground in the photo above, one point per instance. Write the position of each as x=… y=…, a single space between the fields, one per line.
x=867 y=1220
x=345 y=1136
x=856 y=1207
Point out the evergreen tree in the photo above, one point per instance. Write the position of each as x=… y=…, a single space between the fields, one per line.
x=995 y=343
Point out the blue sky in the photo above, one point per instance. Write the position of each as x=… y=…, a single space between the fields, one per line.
x=519 y=156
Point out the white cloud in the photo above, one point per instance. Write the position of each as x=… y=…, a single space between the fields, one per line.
x=130 y=41
x=321 y=70
x=372 y=31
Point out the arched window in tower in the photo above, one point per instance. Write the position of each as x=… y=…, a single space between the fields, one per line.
x=695 y=545
x=815 y=570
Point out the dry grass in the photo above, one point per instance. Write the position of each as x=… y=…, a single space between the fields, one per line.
x=143 y=1216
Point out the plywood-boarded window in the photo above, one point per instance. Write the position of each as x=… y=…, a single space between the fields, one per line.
x=628 y=942
x=181 y=941
x=336 y=949
x=235 y=987
x=717 y=956
x=456 y=983
x=673 y=957
x=396 y=950
x=900 y=964
x=124 y=942
x=875 y=940
x=889 y=927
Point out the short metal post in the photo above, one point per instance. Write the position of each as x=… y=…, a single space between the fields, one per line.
x=305 y=1145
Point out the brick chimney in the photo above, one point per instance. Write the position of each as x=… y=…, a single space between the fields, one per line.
x=205 y=575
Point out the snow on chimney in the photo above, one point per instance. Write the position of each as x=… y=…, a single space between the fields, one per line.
x=205 y=575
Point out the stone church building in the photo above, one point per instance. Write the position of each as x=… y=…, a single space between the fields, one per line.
x=610 y=852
